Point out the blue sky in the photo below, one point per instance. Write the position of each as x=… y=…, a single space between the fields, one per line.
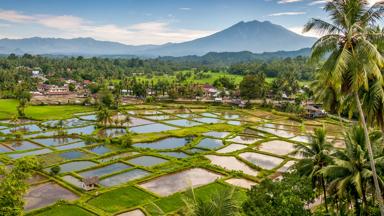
x=146 y=21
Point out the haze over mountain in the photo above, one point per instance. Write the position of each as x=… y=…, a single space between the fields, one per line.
x=253 y=36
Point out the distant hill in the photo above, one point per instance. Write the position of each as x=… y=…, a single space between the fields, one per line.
x=253 y=36
x=228 y=58
x=59 y=46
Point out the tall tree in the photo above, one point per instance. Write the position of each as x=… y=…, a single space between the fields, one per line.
x=23 y=96
x=253 y=86
x=316 y=156
x=353 y=57
x=13 y=185
x=351 y=174
x=104 y=116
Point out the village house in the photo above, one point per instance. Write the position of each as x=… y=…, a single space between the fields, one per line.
x=209 y=90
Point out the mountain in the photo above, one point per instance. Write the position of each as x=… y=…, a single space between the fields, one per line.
x=59 y=46
x=253 y=36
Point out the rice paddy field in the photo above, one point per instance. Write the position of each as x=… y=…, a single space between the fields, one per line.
x=207 y=148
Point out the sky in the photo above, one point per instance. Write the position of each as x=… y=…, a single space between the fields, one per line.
x=138 y=22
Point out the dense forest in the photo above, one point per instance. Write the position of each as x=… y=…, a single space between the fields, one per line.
x=14 y=68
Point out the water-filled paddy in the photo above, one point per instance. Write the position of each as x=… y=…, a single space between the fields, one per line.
x=70 y=155
x=260 y=160
x=151 y=128
x=74 y=166
x=124 y=177
x=286 y=166
x=4 y=149
x=46 y=194
x=168 y=143
x=180 y=181
x=304 y=139
x=56 y=141
x=45 y=134
x=277 y=132
x=72 y=180
x=87 y=130
x=231 y=163
x=36 y=178
x=116 y=157
x=208 y=120
x=231 y=148
x=112 y=132
x=244 y=139
x=182 y=123
x=21 y=145
x=67 y=123
x=281 y=126
x=278 y=147
x=208 y=143
x=23 y=129
x=111 y=168
x=89 y=117
x=196 y=150
x=133 y=121
x=159 y=117
x=209 y=115
x=187 y=115
x=216 y=134
x=24 y=154
x=146 y=161
x=244 y=183
x=72 y=146
x=100 y=149
x=231 y=116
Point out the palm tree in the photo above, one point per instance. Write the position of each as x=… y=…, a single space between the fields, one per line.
x=221 y=203
x=316 y=156
x=351 y=173
x=373 y=101
x=353 y=57
x=104 y=116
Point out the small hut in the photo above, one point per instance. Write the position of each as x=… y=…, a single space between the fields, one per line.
x=89 y=183
x=312 y=112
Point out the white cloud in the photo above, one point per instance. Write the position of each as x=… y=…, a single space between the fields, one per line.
x=288 y=1
x=67 y=26
x=291 y=13
x=371 y=2
x=185 y=8
x=317 y=2
x=14 y=16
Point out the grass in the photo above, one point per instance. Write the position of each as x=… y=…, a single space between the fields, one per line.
x=120 y=199
x=64 y=210
x=8 y=110
x=209 y=80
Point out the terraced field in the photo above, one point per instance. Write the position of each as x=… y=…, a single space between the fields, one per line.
x=174 y=149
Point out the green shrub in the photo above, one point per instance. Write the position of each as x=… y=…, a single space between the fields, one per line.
x=55 y=170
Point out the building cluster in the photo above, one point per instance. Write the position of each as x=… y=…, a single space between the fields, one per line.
x=69 y=87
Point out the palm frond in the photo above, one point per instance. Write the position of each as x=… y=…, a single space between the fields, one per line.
x=322 y=27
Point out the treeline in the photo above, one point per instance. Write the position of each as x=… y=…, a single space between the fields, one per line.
x=273 y=68
x=14 y=68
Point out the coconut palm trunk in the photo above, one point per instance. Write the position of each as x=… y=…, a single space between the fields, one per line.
x=324 y=192
x=370 y=153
